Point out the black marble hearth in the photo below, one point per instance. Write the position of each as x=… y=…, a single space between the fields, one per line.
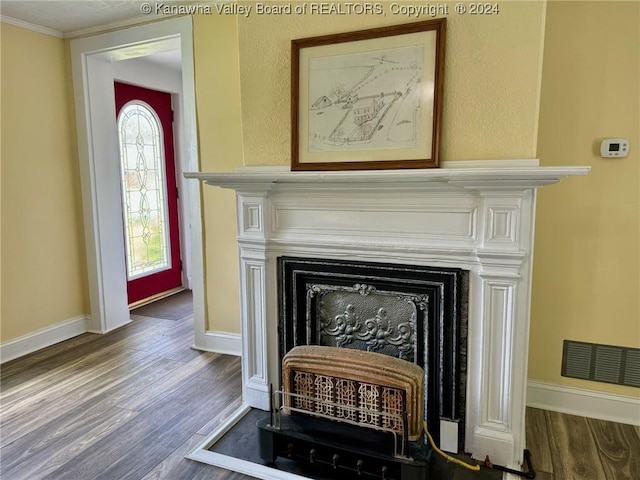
x=242 y=442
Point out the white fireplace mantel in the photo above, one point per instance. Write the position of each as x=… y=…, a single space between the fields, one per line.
x=470 y=178
x=479 y=219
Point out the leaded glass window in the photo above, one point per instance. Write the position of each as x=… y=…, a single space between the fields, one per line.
x=143 y=190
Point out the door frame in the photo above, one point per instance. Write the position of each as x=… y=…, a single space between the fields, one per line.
x=92 y=62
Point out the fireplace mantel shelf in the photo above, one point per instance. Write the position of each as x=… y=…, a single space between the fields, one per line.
x=473 y=178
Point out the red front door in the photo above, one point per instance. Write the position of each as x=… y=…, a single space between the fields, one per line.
x=149 y=191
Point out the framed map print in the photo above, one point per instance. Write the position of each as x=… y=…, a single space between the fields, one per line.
x=369 y=99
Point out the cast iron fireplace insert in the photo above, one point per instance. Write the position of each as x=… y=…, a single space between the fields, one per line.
x=415 y=313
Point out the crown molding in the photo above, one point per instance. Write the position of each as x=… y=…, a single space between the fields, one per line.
x=31 y=26
x=133 y=21
x=129 y=22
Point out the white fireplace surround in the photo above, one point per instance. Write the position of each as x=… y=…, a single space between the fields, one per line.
x=478 y=219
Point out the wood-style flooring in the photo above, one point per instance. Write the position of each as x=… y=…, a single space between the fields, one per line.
x=132 y=403
x=567 y=447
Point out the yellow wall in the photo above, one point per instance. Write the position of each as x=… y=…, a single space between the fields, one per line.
x=220 y=141
x=586 y=278
x=43 y=266
x=586 y=281
x=492 y=85
x=492 y=79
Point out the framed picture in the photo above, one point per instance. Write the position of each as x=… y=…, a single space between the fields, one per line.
x=370 y=99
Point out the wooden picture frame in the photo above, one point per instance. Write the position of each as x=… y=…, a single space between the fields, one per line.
x=370 y=99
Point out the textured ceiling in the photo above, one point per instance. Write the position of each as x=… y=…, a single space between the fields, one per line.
x=67 y=16
x=171 y=59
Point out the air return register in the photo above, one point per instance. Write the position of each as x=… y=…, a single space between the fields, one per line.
x=601 y=363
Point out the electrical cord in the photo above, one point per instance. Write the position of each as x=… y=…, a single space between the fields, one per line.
x=474 y=468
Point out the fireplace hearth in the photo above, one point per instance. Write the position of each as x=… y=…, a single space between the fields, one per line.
x=477 y=220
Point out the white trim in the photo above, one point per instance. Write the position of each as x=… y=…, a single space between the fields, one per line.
x=92 y=61
x=255 y=470
x=43 y=338
x=221 y=342
x=128 y=22
x=31 y=26
x=584 y=403
x=112 y=327
x=486 y=179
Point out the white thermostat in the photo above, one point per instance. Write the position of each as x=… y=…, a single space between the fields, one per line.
x=614 y=147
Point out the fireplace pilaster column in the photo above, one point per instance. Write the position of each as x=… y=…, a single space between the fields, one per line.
x=494 y=377
x=255 y=298
x=499 y=341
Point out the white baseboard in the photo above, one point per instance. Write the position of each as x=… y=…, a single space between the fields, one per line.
x=221 y=342
x=127 y=321
x=43 y=338
x=585 y=403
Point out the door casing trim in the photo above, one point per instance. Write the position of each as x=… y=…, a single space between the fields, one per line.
x=92 y=70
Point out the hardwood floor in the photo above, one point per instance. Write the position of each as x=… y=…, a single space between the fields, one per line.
x=567 y=447
x=126 y=405
x=131 y=404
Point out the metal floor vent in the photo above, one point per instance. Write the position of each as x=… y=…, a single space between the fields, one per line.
x=601 y=363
